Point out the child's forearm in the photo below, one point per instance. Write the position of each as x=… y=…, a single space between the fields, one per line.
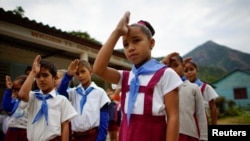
x=65 y=131
x=62 y=89
x=172 y=133
x=26 y=87
x=105 y=53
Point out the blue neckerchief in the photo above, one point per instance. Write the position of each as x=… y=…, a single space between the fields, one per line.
x=16 y=103
x=149 y=67
x=198 y=82
x=84 y=95
x=44 y=107
x=183 y=78
x=18 y=113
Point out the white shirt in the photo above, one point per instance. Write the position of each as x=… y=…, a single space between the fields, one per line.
x=59 y=110
x=208 y=94
x=90 y=116
x=168 y=81
x=19 y=118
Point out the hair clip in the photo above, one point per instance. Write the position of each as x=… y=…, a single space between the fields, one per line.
x=141 y=22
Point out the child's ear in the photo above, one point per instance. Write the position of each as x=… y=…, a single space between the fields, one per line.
x=56 y=77
x=152 y=43
x=91 y=71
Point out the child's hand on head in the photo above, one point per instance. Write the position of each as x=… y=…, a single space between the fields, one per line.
x=187 y=60
x=122 y=26
x=167 y=59
x=73 y=67
x=36 y=64
x=8 y=82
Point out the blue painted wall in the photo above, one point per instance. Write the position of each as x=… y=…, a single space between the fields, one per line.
x=237 y=79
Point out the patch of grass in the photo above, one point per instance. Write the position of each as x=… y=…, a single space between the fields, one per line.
x=242 y=119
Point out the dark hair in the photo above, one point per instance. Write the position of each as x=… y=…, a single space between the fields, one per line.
x=28 y=68
x=146 y=27
x=178 y=58
x=194 y=64
x=50 y=66
x=84 y=63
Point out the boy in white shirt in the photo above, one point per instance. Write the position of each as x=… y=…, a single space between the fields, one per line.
x=49 y=112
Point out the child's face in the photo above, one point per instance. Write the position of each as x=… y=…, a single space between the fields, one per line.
x=45 y=81
x=177 y=66
x=17 y=84
x=137 y=46
x=190 y=72
x=59 y=78
x=83 y=75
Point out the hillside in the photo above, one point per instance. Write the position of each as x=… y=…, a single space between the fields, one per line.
x=211 y=54
x=215 y=61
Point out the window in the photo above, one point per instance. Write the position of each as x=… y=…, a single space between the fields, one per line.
x=240 y=93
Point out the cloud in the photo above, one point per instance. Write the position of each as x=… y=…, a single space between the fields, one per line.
x=180 y=25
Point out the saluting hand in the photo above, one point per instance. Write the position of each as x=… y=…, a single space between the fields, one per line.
x=8 y=82
x=122 y=26
x=187 y=60
x=72 y=69
x=36 y=64
x=167 y=59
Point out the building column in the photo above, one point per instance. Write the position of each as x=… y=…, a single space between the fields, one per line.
x=84 y=56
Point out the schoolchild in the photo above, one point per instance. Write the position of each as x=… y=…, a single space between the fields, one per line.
x=17 y=123
x=49 y=112
x=89 y=100
x=208 y=93
x=60 y=74
x=193 y=121
x=114 y=114
x=149 y=92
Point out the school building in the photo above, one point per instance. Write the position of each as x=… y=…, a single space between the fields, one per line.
x=21 y=39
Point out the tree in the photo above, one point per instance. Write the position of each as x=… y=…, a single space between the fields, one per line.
x=84 y=35
x=18 y=11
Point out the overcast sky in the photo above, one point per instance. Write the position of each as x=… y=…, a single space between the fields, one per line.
x=181 y=25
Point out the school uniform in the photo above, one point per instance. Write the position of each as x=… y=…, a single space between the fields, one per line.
x=59 y=110
x=90 y=116
x=17 y=122
x=91 y=123
x=193 y=121
x=114 y=116
x=148 y=116
x=208 y=93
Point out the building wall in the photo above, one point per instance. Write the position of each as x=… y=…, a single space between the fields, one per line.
x=237 y=79
x=21 y=40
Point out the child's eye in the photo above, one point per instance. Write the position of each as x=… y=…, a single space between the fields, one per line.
x=125 y=45
x=136 y=40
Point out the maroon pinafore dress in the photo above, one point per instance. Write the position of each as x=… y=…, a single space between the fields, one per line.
x=145 y=127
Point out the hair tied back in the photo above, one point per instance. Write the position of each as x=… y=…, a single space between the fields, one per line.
x=148 y=25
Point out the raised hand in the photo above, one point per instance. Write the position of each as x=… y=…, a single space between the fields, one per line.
x=73 y=67
x=186 y=60
x=8 y=82
x=167 y=59
x=36 y=64
x=122 y=26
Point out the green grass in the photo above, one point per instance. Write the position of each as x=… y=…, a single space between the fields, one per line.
x=241 y=119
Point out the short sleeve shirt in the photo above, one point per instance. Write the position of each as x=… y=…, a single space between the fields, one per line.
x=59 y=110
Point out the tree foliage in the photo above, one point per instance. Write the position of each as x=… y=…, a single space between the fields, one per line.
x=84 y=35
x=18 y=11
